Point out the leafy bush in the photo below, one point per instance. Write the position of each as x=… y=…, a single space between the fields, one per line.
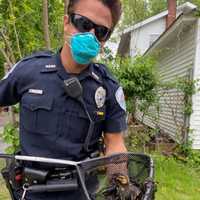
x=138 y=137
x=11 y=133
x=16 y=108
x=138 y=78
x=11 y=136
x=1 y=68
x=189 y=155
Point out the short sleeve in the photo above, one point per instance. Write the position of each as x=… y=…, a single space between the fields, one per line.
x=115 y=109
x=8 y=87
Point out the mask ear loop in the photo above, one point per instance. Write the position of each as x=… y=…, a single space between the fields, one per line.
x=67 y=42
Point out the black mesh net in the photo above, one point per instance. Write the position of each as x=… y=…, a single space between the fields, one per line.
x=112 y=177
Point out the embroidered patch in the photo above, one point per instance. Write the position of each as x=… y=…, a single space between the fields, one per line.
x=100 y=97
x=120 y=98
x=35 y=91
x=50 y=66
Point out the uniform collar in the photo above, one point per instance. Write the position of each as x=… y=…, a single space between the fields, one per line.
x=88 y=72
x=94 y=75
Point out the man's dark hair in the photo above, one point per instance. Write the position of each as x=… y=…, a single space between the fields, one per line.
x=113 y=5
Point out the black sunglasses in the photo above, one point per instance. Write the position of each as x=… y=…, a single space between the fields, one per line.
x=83 y=24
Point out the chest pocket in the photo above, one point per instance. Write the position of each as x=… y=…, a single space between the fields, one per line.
x=77 y=123
x=37 y=114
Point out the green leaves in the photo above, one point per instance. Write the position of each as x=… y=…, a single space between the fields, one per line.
x=27 y=16
x=137 y=76
x=21 y=22
x=11 y=136
x=138 y=10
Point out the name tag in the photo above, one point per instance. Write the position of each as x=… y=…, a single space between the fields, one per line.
x=35 y=91
x=50 y=66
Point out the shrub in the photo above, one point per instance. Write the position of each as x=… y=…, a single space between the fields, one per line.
x=138 y=78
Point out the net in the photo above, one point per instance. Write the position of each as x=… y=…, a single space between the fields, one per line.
x=101 y=172
x=103 y=178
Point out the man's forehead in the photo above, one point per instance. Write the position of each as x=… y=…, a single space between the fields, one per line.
x=94 y=10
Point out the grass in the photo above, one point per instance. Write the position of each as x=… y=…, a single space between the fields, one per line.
x=3 y=191
x=175 y=180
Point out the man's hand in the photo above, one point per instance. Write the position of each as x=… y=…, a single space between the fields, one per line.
x=120 y=186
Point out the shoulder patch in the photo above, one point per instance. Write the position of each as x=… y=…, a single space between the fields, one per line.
x=119 y=95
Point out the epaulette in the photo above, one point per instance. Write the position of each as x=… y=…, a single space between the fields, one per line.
x=105 y=72
x=39 y=54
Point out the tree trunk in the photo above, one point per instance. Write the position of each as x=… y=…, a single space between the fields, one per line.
x=12 y=118
x=15 y=31
x=6 y=56
x=46 y=24
x=7 y=44
x=66 y=2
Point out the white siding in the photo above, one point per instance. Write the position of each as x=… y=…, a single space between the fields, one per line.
x=195 y=117
x=141 y=38
x=175 y=60
x=147 y=31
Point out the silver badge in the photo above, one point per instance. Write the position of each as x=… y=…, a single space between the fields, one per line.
x=100 y=97
x=120 y=98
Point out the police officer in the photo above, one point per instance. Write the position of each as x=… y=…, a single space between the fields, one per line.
x=52 y=124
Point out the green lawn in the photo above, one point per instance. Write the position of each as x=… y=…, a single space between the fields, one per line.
x=175 y=181
x=3 y=191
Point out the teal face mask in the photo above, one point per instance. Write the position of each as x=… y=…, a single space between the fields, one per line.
x=84 y=47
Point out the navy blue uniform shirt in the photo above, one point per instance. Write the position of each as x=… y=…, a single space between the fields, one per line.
x=51 y=123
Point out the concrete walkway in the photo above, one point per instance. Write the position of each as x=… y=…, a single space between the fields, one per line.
x=2 y=146
x=3 y=121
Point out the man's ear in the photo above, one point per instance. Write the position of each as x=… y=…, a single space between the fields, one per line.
x=66 y=23
x=66 y=20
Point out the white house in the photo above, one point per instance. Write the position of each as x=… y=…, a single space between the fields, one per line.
x=144 y=33
x=178 y=47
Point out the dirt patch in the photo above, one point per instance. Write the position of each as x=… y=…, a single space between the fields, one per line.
x=147 y=139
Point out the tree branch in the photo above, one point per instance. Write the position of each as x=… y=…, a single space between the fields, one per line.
x=46 y=24
x=7 y=43
x=66 y=2
x=15 y=31
x=6 y=57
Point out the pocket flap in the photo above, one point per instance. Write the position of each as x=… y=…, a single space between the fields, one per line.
x=35 y=102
